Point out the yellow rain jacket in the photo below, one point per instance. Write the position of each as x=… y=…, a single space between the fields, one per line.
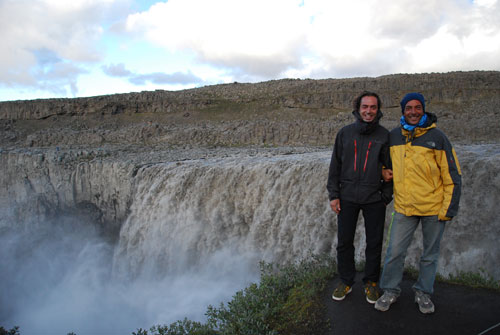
x=426 y=173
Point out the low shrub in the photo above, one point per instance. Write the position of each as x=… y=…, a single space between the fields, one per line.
x=184 y=327
x=480 y=279
x=13 y=331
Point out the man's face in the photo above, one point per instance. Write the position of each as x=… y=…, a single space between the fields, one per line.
x=368 y=108
x=413 y=112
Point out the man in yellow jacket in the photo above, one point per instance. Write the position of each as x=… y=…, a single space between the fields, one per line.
x=427 y=183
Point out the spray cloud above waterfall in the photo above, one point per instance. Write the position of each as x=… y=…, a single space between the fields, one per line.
x=57 y=278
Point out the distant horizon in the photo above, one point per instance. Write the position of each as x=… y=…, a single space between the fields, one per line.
x=236 y=82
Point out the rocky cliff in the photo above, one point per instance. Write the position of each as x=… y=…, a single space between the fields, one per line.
x=283 y=112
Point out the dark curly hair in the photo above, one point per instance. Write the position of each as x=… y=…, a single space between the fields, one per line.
x=357 y=102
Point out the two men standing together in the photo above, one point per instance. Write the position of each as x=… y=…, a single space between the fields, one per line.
x=417 y=161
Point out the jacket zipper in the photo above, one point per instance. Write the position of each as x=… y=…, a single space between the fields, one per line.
x=355 y=154
x=367 y=153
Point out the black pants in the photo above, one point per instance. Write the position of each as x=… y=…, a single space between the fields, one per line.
x=374 y=216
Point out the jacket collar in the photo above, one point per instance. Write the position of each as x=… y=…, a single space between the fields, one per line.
x=367 y=127
x=419 y=131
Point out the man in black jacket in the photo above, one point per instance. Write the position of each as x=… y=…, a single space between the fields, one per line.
x=355 y=184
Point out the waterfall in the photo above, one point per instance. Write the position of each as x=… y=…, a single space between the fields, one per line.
x=194 y=234
x=274 y=209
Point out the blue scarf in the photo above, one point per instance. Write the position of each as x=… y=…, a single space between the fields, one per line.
x=410 y=127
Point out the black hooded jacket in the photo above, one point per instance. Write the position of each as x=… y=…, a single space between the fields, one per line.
x=360 y=151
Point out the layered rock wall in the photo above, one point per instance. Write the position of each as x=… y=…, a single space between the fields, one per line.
x=276 y=113
x=456 y=88
x=41 y=185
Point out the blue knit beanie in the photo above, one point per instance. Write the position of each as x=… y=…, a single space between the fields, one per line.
x=412 y=96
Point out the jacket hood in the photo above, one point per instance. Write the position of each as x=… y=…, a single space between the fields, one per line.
x=431 y=118
x=367 y=127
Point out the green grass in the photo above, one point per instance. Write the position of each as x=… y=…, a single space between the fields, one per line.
x=479 y=279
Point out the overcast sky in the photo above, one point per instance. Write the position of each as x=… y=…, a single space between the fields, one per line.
x=62 y=48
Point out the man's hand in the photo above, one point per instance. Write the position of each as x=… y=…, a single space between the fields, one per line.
x=387 y=175
x=335 y=205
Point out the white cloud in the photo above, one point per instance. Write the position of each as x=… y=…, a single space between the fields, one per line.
x=469 y=41
x=258 y=37
x=486 y=3
x=240 y=40
x=64 y=31
x=318 y=38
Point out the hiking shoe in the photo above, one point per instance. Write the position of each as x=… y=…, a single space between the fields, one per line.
x=371 y=292
x=424 y=302
x=385 y=301
x=341 y=291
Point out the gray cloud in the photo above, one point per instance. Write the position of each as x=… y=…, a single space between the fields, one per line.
x=263 y=68
x=160 y=78
x=164 y=78
x=56 y=75
x=369 y=65
x=116 y=70
x=46 y=72
x=411 y=21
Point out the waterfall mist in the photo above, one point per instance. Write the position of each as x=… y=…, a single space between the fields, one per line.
x=57 y=278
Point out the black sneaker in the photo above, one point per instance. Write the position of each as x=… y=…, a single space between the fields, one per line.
x=341 y=291
x=371 y=292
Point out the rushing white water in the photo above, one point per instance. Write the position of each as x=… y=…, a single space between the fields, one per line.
x=194 y=236
x=274 y=208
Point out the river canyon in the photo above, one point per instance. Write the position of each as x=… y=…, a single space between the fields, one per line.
x=124 y=211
